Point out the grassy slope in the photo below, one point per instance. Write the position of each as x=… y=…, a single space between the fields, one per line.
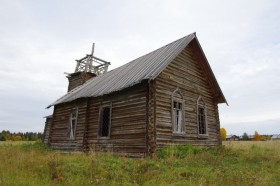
x=238 y=163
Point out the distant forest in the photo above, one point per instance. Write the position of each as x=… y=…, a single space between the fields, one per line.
x=6 y=135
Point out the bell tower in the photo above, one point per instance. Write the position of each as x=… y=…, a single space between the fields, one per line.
x=86 y=68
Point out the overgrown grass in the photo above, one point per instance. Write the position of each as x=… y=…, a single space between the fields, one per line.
x=15 y=143
x=238 y=163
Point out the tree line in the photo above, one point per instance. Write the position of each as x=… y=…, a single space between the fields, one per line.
x=6 y=135
x=246 y=137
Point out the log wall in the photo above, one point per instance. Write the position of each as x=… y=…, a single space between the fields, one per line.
x=128 y=122
x=151 y=119
x=47 y=130
x=185 y=73
x=59 y=139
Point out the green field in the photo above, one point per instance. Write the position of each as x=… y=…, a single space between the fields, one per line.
x=236 y=163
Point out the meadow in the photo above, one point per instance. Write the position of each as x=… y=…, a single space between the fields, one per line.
x=235 y=163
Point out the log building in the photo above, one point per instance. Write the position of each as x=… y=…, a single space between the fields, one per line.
x=168 y=96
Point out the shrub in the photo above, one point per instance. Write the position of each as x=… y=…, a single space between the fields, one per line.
x=179 y=151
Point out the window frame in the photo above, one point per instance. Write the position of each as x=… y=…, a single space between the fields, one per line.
x=202 y=106
x=70 y=126
x=182 y=101
x=101 y=109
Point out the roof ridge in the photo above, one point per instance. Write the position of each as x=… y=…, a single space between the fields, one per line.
x=147 y=66
x=153 y=51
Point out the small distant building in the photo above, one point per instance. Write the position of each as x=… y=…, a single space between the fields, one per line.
x=275 y=137
x=232 y=138
x=251 y=137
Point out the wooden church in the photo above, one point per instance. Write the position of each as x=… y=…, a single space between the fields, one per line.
x=168 y=96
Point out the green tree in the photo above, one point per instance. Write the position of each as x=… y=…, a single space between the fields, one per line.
x=223 y=133
x=245 y=136
x=7 y=135
x=17 y=138
x=2 y=138
x=27 y=136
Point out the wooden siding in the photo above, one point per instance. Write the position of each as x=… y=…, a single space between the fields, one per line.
x=59 y=138
x=185 y=73
x=128 y=122
x=47 y=130
x=151 y=119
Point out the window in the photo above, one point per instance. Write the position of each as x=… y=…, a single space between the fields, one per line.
x=201 y=120
x=73 y=123
x=177 y=110
x=201 y=117
x=178 y=120
x=105 y=121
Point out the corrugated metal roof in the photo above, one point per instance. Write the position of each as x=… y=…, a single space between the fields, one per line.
x=145 y=67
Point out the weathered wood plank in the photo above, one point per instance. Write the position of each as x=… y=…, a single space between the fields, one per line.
x=185 y=72
x=128 y=121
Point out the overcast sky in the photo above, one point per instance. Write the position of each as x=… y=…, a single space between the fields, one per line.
x=40 y=40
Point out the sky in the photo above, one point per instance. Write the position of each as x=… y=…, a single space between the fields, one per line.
x=40 y=40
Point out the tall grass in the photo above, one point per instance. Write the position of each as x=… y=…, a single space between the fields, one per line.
x=233 y=164
x=269 y=145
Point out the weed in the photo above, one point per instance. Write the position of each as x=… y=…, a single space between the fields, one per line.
x=241 y=163
x=179 y=151
x=55 y=171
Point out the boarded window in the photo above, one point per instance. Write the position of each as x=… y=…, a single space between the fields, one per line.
x=178 y=119
x=201 y=120
x=105 y=122
x=73 y=124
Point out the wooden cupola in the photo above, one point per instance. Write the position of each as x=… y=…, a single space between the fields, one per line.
x=86 y=68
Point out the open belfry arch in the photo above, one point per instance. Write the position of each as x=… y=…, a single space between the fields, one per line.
x=92 y=64
x=86 y=68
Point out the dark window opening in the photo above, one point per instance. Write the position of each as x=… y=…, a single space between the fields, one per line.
x=201 y=120
x=105 y=122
